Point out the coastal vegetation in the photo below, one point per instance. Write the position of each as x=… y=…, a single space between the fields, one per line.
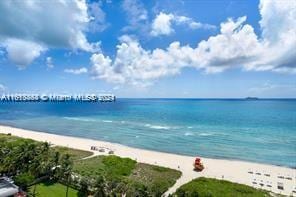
x=214 y=187
x=157 y=179
x=126 y=176
x=43 y=170
x=75 y=154
x=29 y=162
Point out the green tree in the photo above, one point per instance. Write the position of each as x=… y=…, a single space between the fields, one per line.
x=45 y=153
x=66 y=170
x=35 y=169
x=55 y=160
x=23 y=180
x=40 y=163
x=100 y=187
x=26 y=154
x=138 y=189
x=83 y=190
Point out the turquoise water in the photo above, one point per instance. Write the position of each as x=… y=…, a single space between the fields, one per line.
x=254 y=130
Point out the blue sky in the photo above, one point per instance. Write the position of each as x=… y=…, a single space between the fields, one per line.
x=160 y=48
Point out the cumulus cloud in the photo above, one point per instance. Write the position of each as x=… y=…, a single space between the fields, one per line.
x=41 y=25
x=278 y=23
x=22 y=52
x=76 y=71
x=162 y=24
x=237 y=45
x=137 y=66
x=102 y=69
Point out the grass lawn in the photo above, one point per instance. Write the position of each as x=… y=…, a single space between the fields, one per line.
x=213 y=187
x=49 y=189
x=75 y=154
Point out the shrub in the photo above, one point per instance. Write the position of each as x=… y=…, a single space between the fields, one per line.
x=24 y=180
x=214 y=187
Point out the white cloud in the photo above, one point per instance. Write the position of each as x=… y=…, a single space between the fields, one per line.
x=76 y=71
x=278 y=25
x=102 y=69
x=41 y=25
x=162 y=24
x=22 y=52
x=97 y=18
x=137 y=15
x=137 y=66
x=49 y=63
x=236 y=45
x=192 y=24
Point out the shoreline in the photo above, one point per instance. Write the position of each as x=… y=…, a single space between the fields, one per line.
x=153 y=150
x=227 y=169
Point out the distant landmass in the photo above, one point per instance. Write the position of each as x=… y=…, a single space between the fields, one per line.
x=252 y=98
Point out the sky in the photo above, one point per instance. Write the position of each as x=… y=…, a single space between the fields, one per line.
x=149 y=49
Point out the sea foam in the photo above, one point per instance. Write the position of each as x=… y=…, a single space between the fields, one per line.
x=205 y=134
x=157 y=127
x=108 y=121
x=188 y=134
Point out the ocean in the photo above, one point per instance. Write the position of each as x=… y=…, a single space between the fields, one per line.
x=261 y=131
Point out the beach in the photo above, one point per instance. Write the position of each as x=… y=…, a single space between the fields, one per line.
x=252 y=174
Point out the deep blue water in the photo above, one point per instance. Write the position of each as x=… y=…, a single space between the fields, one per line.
x=253 y=130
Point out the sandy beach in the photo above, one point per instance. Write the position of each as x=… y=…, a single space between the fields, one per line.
x=253 y=174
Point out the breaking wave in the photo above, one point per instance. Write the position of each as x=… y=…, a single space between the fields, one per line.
x=157 y=127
